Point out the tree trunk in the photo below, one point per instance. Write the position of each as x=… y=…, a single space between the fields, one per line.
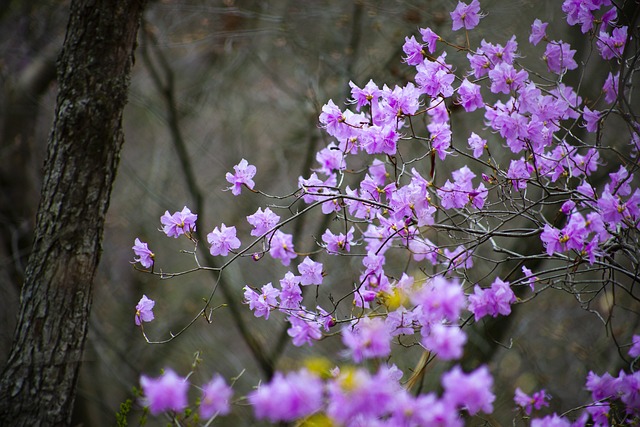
x=39 y=381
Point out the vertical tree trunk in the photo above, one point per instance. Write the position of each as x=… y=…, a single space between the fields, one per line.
x=38 y=383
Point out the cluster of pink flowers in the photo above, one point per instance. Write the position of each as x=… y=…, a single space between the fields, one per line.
x=169 y=392
x=394 y=207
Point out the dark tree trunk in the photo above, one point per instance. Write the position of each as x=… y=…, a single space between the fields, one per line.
x=38 y=383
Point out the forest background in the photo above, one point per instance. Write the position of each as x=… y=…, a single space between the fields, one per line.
x=217 y=81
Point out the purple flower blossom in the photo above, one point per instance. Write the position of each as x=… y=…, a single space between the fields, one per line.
x=339 y=243
x=446 y=341
x=505 y=78
x=477 y=144
x=550 y=421
x=435 y=77
x=325 y=319
x=310 y=272
x=470 y=97
x=413 y=49
x=591 y=118
x=281 y=247
x=551 y=237
x=499 y=54
x=460 y=257
x=291 y=294
x=243 y=174
x=559 y=57
x=367 y=338
x=168 y=392
x=439 y=299
x=145 y=256
x=528 y=403
x=466 y=15
x=471 y=391
x=304 y=328
x=215 y=397
x=480 y=64
x=287 y=397
x=223 y=240
x=262 y=221
x=367 y=96
x=440 y=138
x=262 y=303
x=529 y=277
x=179 y=223
x=331 y=159
x=610 y=87
x=423 y=249
x=333 y=120
x=538 y=31
x=612 y=45
x=519 y=171
x=492 y=301
x=144 y=310
x=602 y=387
x=581 y=12
x=400 y=321
x=355 y=395
x=634 y=351
x=430 y=38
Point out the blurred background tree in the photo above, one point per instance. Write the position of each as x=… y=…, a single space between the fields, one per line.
x=217 y=81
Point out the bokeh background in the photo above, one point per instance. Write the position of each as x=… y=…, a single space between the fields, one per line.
x=218 y=81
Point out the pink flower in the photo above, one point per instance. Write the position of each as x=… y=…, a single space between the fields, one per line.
x=310 y=272
x=440 y=138
x=367 y=96
x=215 y=398
x=281 y=247
x=519 y=171
x=262 y=221
x=145 y=256
x=179 y=223
x=223 y=240
x=505 y=78
x=477 y=144
x=529 y=277
x=528 y=403
x=144 y=310
x=471 y=391
x=304 y=328
x=287 y=397
x=243 y=174
x=610 y=87
x=339 y=243
x=559 y=57
x=612 y=45
x=591 y=119
x=291 y=294
x=538 y=31
x=550 y=421
x=262 y=303
x=331 y=159
x=413 y=49
x=446 y=341
x=634 y=351
x=470 y=97
x=367 y=338
x=492 y=301
x=466 y=15
x=168 y=392
x=430 y=38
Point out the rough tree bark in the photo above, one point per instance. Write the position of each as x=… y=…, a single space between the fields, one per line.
x=38 y=383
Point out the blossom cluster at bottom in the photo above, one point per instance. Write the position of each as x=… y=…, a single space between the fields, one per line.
x=342 y=396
